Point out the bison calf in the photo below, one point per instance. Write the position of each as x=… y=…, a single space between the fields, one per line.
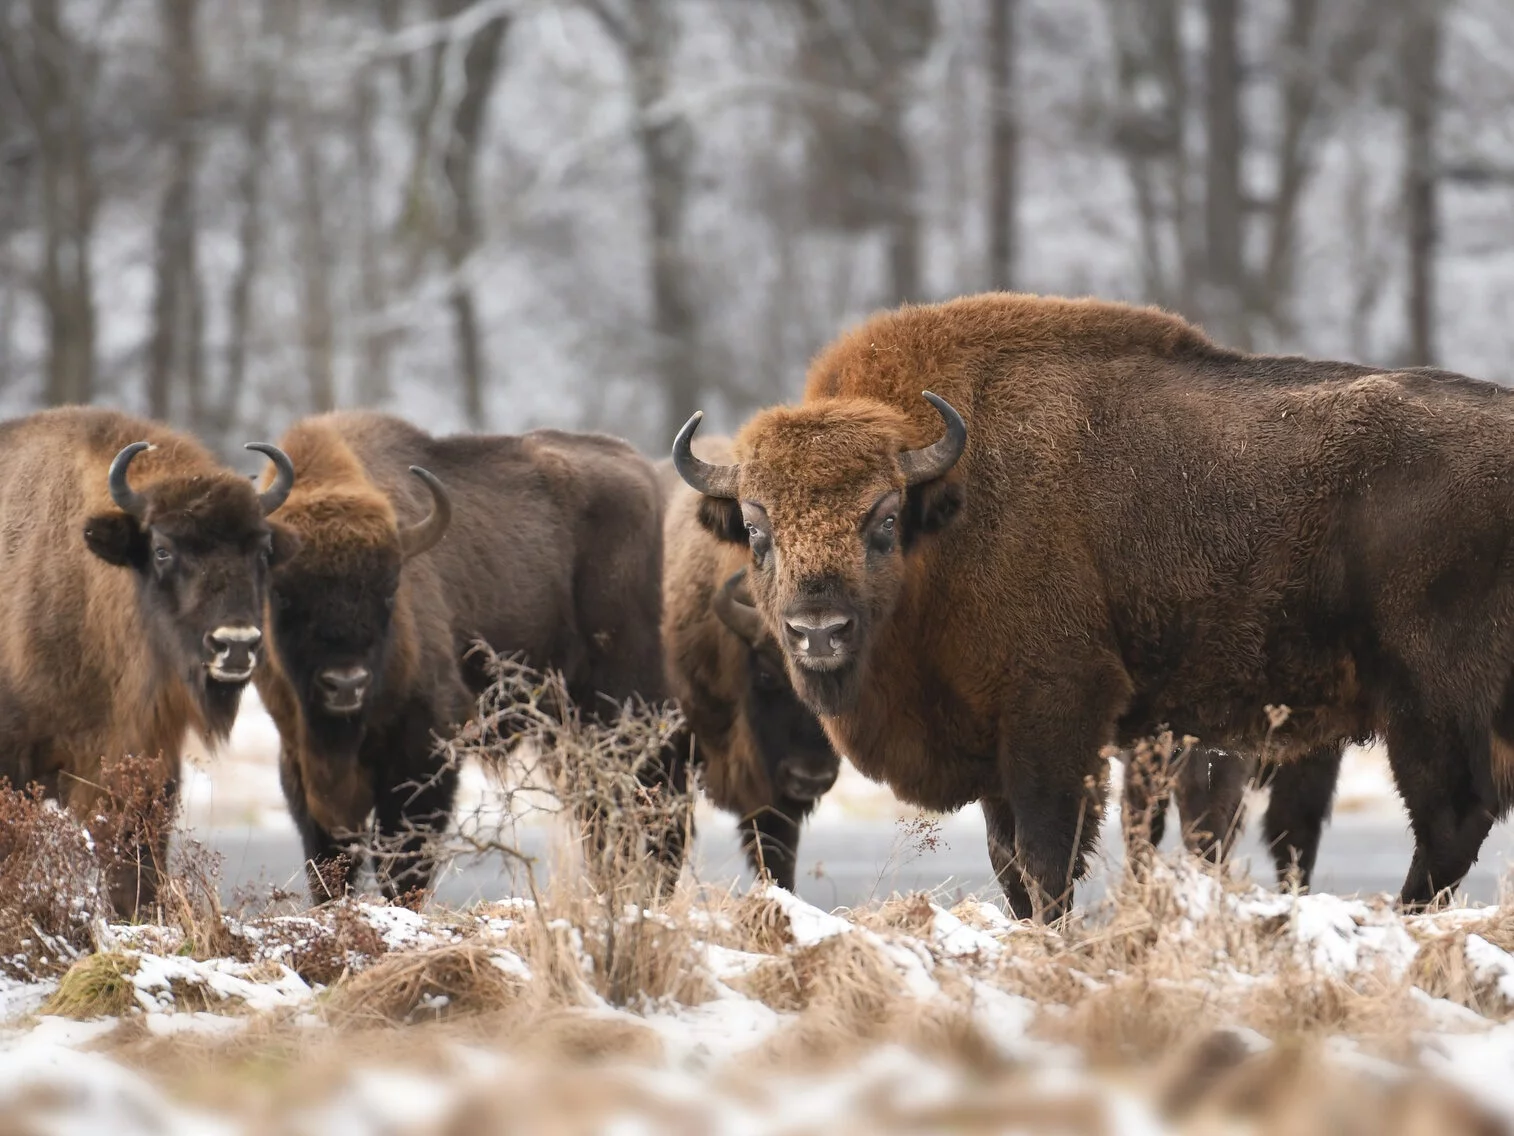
x=547 y=545
x=135 y=567
x=760 y=752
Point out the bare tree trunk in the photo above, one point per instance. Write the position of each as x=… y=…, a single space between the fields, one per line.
x=249 y=233
x=1420 y=67
x=51 y=78
x=317 y=332
x=177 y=328
x=906 y=228
x=1224 y=305
x=459 y=166
x=646 y=32
x=374 y=386
x=1004 y=172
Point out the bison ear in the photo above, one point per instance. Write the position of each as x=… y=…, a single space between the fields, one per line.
x=118 y=539
x=285 y=545
x=930 y=507
x=722 y=517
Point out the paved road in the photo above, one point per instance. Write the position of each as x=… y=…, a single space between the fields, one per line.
x=848 y=863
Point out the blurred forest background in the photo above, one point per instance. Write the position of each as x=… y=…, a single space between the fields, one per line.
x=497 y=214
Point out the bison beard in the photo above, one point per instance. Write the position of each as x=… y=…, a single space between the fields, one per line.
x=1147 y=531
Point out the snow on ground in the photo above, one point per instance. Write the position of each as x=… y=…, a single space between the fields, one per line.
x=1421 y=999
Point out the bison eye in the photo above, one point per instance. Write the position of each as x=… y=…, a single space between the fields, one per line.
x=163 y=556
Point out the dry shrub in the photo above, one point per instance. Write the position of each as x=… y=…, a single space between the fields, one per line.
x=97 y=986
x=609 y=777
x=50 y=878
x=442 y=982
x=321 y=947
x=913 y=914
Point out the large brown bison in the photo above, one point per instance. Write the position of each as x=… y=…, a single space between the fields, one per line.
x=547 y=545
x=760 y=752
x=135 y=567
x=1124 y=527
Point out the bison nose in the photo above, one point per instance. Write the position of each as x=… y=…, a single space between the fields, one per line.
x=343 y=688
x=819 y=635
x=804 y=783
x=233 y=653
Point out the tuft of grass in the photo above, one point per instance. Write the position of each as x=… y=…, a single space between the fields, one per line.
x=97 y=986
x=436 y=984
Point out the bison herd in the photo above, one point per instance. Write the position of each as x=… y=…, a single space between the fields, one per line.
x=1094 y=527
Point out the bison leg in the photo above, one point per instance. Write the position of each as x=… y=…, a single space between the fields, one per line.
x=770 y=839
x=1211 y=793
x=1000 y=819
x=410 y=816
x=1302 y=793
x=134 y=876
x=330 y=864
x=1449 y=818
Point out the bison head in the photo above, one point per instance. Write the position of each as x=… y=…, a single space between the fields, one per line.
x=831 y=500
x=201 y=547
x=796 y=755
x=334 y=605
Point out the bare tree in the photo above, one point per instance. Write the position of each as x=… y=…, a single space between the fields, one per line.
x=177 y=334
x=1223 y=302
x=863 y=172
x=53 y=76
x=464 y=233
x=646 y=32
x=1420 y=69
x=1004 y=172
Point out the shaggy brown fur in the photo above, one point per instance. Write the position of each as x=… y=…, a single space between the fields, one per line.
x=1145 y=530
x=553 y=552
x=760 y=753
x=102 y=616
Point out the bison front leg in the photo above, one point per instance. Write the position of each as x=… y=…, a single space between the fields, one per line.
x=1302 y=793
x=330 y=864
x=412 y=814
x=1000 y=820
x=770 y=839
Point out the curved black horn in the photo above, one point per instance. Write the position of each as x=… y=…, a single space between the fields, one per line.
x=277 y=493
x=127 y=499
x=733 y=611
x=936 y=459
x=423 y=535
x=711 y=480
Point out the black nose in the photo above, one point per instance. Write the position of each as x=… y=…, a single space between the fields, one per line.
x=233 y=651
x=819 y=634
x=343 y=688
x=805 y=783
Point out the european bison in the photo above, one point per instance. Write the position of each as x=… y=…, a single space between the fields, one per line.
x=1210 y=785
x=135 y=567
x=414 y=547
x=759 y=751
x=1125 y=526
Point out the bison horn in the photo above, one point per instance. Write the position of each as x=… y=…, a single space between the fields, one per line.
x=937 y=459
x=126 y=498
x=735 y=612
x=277 y=493
x=711 y=480
x=423 y=535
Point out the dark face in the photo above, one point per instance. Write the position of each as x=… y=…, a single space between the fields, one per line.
x=332 y=634
x=796 y=755
x=202 y=555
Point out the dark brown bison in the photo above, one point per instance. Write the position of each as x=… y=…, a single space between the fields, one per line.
x=1209 y=787
x=760 y=753
x=547 y=545
x=135 y=567
x=1124 y=527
